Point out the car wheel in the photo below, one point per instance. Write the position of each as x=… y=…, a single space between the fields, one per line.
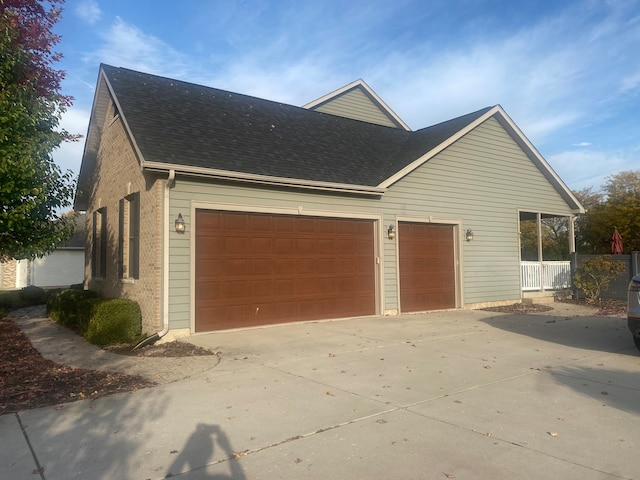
x=636 y=340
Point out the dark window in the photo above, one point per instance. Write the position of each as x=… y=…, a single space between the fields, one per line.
x=99 y=251
x=134 y=235
x=129 y=237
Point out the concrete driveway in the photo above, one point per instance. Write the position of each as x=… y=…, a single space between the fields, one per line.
x=461 y=394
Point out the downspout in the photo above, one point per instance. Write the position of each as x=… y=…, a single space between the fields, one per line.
x=165 y=267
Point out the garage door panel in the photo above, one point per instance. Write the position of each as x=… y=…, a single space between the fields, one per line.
x=305 y=246
x=277 y=268
x=232 y=266
x=427 y=266
x=258 y=245
x=283 y=224
x=283 y=245
x=305 y=265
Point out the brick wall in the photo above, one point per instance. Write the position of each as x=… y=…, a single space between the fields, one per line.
x=117 y=175
x=8 y=274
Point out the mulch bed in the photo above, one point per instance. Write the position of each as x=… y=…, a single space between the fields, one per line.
x=605 y=307
x=27 y=380
x=169 y=349
x=520 y=308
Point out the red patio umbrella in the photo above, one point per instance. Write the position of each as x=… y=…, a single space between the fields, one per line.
x=616 y=242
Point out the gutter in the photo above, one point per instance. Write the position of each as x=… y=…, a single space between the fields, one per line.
x=264 y=179
x=165 y=268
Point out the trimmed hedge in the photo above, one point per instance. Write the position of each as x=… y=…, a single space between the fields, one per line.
x=33 y=295
x=101 y=321
x=114 y=322
x=72 y=308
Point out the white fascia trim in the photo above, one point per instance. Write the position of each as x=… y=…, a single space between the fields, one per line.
x=434 y=151
x=124 y=121
x=543 y=163
x=369 y=90
x=264 y=179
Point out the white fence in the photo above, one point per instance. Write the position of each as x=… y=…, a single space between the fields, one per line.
x=545 y=275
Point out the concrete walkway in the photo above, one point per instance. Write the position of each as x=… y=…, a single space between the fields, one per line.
x=59 y=344
x=461 y=394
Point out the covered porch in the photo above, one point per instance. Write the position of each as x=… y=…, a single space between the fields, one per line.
x=546 y=244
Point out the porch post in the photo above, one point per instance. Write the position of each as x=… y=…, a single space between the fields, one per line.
x=539 y=229
x=572 y=234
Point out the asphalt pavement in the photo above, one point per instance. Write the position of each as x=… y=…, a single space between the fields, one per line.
x=444 y=395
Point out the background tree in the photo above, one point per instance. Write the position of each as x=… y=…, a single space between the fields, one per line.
x=33 y=190
x=555 y=239
x=617 y=205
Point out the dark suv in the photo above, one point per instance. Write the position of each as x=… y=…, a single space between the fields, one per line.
x=633 y=309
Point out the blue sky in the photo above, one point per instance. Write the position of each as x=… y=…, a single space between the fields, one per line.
x=567 y=72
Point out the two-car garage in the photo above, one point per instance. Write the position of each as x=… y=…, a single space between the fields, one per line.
x=258 y=268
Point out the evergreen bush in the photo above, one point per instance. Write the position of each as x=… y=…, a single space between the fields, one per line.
x=33 y=295
x=113 y=322
x=72 y=308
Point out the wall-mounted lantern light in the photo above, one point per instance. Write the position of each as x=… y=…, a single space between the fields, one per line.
x=469 y=235
x=180 y=225
x=391 y=232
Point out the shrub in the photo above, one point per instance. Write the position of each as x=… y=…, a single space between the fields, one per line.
x=33 y=295
x=10 y=299
x=72 y=308
x=594 y=274
x=114 y=322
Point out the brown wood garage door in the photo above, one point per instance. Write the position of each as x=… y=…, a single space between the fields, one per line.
x=256 y=269
x=427 y=266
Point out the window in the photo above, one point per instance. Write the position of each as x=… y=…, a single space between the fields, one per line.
x=129 y=237
x=99 y=250
x=134 y=235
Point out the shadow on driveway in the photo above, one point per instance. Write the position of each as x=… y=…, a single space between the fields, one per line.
x=602 y=334
x=611 y=376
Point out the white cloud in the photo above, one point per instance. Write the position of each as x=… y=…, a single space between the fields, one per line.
x=89 y=11
x=127 y=46
x=565 y=72
x=69 y=155
x=584 y=168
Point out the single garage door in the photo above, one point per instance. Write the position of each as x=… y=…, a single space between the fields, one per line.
x=257 y=269
x=427 y=266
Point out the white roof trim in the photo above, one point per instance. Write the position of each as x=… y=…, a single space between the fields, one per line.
x=359 y=83
x=533 y=152
x=124 y=121
x=434 y=151
x=520 y=138
x=264 y=179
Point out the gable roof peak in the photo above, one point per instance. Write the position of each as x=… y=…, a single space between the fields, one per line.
x=368 y=108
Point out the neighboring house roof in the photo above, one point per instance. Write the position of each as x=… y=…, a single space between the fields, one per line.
x=198 y=130
x=77 y=240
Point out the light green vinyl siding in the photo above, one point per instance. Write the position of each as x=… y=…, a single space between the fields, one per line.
x=356 y=104
x=483 y=180
x=480 y=182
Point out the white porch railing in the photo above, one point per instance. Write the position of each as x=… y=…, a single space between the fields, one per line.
x=545 y=275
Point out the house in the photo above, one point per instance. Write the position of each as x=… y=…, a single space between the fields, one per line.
x=218 y=210
x=62 y=267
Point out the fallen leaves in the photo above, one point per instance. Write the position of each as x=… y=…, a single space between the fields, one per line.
x=30 y=381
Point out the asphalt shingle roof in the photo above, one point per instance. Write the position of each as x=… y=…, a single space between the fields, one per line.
x=186 y=124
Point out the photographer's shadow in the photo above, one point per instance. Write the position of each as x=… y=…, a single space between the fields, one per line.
x=197 y=456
